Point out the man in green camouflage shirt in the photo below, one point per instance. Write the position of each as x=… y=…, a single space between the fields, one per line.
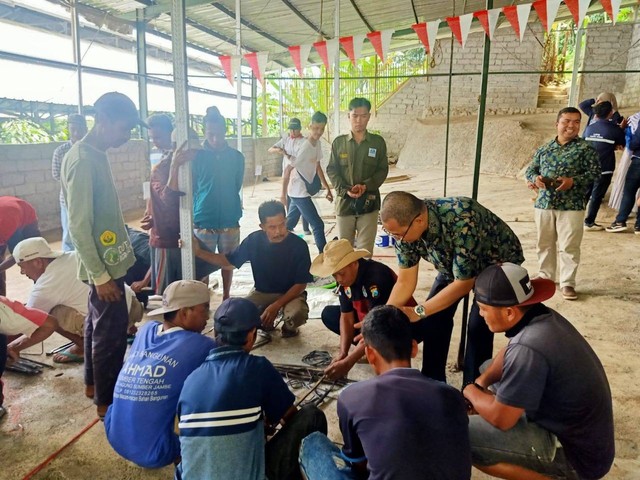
x=560 y=172
x=357 y=168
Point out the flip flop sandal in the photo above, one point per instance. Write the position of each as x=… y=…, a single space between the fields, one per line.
x=69 y=357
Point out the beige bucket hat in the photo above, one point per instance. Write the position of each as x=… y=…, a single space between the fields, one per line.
x=337 y=255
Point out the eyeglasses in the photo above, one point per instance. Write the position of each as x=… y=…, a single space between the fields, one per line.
x=398 y=237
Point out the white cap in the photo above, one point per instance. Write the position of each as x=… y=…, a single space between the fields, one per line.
x=32 y=248
x=182 y=294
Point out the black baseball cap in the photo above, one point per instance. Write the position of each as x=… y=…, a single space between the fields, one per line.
x=117 y=106
x=236 y=315
x=295 y=124
x=509 y=285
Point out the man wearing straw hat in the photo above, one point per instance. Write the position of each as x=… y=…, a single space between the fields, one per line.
x=364 y=284
x=140 y=422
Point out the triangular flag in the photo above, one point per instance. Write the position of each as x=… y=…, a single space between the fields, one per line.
x=300 y=55
x=258 y=63
x=381 y=42
x=321 y=48
x=488 y=19
x=578 y=9
x=612 y=7
x=518 y=16
x=333 y=46
x=427 y=33
x=460 y=27
x=230 y=65
x=353 y=46
x=547 y=11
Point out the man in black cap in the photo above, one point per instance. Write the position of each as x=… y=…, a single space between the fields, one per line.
x=549 y=411
x=99 y=236
x=226 y=402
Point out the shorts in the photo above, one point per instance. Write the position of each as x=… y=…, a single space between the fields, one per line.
x=526 y=444
x=225 y=240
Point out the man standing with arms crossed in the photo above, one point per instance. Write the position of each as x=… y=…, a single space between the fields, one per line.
x=99 y=236
x=357 y=168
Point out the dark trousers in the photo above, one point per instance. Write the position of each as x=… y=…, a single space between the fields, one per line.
x=305 y=206
x=105 y=343
x=296 y=217
x=281 y=452
x=631 y=186
x=595 y=195
x=3 y=362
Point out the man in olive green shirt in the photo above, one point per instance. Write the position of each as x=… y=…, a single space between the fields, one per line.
x=357 y=168
x=99 y=236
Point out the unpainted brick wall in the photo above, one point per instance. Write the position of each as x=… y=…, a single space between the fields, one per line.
x=631 y=96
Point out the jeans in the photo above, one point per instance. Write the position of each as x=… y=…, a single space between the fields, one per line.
x=526 y=444
x=595 y=195
x=105 y=343
x=435 y=331
x=67 y=244
x=296 y=217
x=320 y=459
x=631 y=186
x=305 y=206
x=281 y=452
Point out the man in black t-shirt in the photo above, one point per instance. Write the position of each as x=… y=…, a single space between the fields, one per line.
x=551 y=412
x=280 y=264
x=364 y=284
x=400 y=424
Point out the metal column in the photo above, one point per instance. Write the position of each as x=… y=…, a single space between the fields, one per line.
x=484 y=80
x=77 y=51
x=239 y=76
x=180 y=78
x=573 y=91
x=336 y=74
x=141 y=54
x=254 y=107
x=446 y=138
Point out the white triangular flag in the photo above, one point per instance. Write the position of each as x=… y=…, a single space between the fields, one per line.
x=465 y=26
x=333 y=46
x=523 y=17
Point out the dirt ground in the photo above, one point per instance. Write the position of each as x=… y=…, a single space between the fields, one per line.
x=45 y=412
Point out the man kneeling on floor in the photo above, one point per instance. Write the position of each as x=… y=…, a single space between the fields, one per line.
x=400 y=424
x=363 y=285
x=280 y=264
x=57 y=291
x=226 y=403
x=140 y=421
x=551 y=414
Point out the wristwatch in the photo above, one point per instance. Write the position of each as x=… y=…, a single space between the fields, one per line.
x=420 y=311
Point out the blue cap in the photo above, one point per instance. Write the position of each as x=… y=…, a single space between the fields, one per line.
x=236 y=315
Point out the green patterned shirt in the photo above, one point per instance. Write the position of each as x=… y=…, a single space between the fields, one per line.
x=575 y=159
x=461 y=240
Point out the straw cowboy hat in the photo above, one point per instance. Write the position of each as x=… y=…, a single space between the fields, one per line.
x=337 y=255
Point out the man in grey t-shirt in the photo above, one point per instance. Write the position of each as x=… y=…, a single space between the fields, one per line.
x=551 y=413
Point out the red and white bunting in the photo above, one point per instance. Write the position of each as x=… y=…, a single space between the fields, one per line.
x=488 y=19
x=258 y=63
x=612 y=7
x=547 y=11
x=381 y=42
x=353 y=46
x=578 y=9
x=460 y=27
x=518 y=16
x=300 y=56
x=327 y=49
x=230 y=65
x=427 y=33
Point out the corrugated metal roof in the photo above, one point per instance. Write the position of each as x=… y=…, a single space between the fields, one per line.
x=273 y=25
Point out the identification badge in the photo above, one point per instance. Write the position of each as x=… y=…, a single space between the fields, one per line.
x=347 y=292
x=374 y=291
x=344 y=156
x=364 y=292
x=372 y=152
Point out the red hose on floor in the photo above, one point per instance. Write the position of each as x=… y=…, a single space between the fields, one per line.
x=52 y=457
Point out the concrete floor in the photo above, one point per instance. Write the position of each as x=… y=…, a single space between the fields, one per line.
x=46 y=411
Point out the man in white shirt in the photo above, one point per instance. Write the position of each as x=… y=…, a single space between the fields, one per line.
x=305 y=177
x=58 y=292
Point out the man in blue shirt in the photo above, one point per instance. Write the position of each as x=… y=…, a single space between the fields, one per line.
x=400 y=424
x=605 y=137
x=226 y=403
x=140 y=422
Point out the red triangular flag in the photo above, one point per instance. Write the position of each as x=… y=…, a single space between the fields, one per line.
x=427 y=33
x=547 y=11
x=225 y=60
x=460 y=27
x=300 y=55
x=321 y=48
x=454 y=25
x=483 y=18
x=258 y=62
x=578 y=9
x=511 y=13
x=518 y=16
x=612 y=7
x=380 y=41
x=353 y=46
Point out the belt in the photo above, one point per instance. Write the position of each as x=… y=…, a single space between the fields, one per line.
x=218 y=231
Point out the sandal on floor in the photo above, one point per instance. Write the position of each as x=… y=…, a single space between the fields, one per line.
x=65 y=356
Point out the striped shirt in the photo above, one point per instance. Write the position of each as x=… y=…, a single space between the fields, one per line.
x=56 y=164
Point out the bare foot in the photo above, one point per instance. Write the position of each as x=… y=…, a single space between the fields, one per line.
x=89 y=391
x=73 y=354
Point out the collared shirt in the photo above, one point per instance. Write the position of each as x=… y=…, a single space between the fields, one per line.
x=462 y=239
x=353 y=163
x=56 y=164
x=575 y=159
x=604 y=136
